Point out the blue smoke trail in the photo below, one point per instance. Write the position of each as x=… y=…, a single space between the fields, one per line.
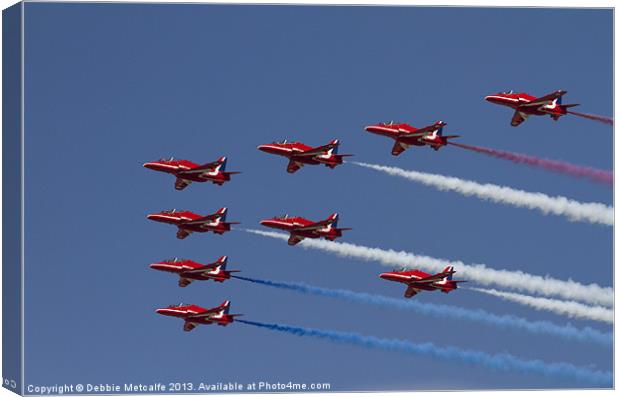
x=502 y=361
x=439 y=310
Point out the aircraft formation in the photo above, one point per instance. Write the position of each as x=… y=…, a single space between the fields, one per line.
x=298 y=227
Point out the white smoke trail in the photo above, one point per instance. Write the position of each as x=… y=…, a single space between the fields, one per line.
x=573 y=210
x=516 y=280
x=565 y=308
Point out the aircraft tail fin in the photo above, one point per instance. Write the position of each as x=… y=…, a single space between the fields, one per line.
x=225 y=306
x=440 y=124
x=222 y=167
x=222 y=213
x=336 y=143
x=450 y=270
x=222 y=262
x=334 y=219
x=222 y=161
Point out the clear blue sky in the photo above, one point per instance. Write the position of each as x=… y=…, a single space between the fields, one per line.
x=111 y=86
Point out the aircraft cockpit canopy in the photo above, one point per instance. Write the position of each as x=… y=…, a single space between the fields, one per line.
x=177 y=305
x=282 y=142
x=285 y=216
x=388 y=124
x=172 y=260
x=172 y=211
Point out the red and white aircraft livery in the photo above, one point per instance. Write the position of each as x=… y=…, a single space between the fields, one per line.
x=301 y=228
x=188 y=222
x=418 y=280
x=187 y=172
x=526 y=105
x=406 y=135
x=194 y=315
x=189 y=270
x=299 y=154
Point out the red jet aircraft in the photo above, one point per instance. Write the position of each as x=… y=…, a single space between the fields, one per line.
x=187 y=172
x=194 y=315
x=300 y=228
x=188 y=222
x=418 y=280
x=189 y=270
x=526 y=105
x=406 y=135
x=300 y=154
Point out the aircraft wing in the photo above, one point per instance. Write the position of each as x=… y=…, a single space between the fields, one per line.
x=199 y=271
x=411 y=291
x=294 y=239
x=195 y=171
x=204 y=219
x=181 y=183
x=430 y=279
x=182 y=233
x=188 y=326
x=315 y=226
x=202 y=168
x=545 y=100
x=205 y=168
x=317 y=150
x=293 y=166
x=212 y=164
x=428 y=130
x=398 y=148
x=205 y=315
x=518 y=118
x=184 y=282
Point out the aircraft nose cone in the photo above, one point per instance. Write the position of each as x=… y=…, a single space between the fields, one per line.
x=264 y=222
x=261 y=147
x=160 y=311
x=150 y=165
x=487 y=98
x=151 y=216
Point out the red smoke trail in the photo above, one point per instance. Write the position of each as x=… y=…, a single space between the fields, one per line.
x=602 y=119
x=552 y=165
